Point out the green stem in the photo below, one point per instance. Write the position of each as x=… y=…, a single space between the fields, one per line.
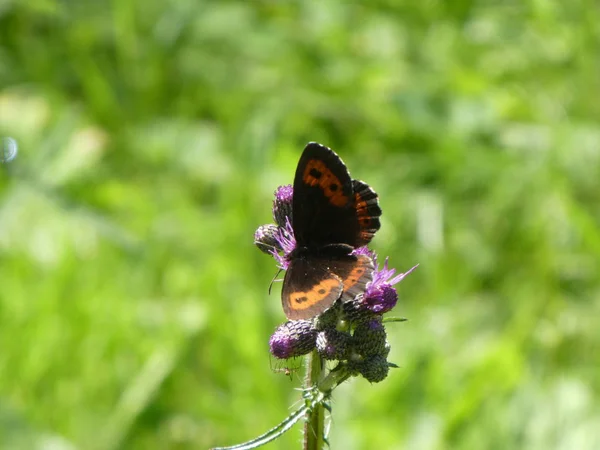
x=314 y=426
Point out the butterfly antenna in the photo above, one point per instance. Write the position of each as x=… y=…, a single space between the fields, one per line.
x=273 y=280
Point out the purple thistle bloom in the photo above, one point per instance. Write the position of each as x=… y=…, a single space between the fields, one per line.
x=381 y=299
x=384 y=274
x=282 y=205
x=285 y=193
x=287 y=242
x=364 y=251
x=380 y=295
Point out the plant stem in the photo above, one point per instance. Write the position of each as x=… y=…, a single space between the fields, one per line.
x=314 y=426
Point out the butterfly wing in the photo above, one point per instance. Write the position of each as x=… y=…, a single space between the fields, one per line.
x=367 y=212
x=312 y=285
x=309 y=288
x=328 y=206
x=355 y=272
x=323 y=207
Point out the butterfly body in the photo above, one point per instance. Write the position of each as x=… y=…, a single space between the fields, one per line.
x=332 y=215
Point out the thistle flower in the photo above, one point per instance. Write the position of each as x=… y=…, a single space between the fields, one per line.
x=287 y=242
x=374 y=368
x=364 y=251
x=370 y=338
x=380 y=295
x=333 y=344
x=265 y=238
x=293 y=338
x=282 y=205
x=277 y=241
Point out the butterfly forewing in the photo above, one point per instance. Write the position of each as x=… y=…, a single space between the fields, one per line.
x=323 y=203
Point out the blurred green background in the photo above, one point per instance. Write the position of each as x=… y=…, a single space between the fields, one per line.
x=134 y=311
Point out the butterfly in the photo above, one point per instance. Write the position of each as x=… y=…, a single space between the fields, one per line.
x=332 y=215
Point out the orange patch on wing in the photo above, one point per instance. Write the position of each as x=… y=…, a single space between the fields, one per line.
x=354 y=276
x=366 y=236
x=319 y=292
x=317 y=173
x=361 y=205
x=362 y=209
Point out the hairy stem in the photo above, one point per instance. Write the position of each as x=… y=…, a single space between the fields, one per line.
x=314 y=426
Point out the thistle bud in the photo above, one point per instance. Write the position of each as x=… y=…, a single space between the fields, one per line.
x=265 y=238
x=293 y=338
x=333 y=344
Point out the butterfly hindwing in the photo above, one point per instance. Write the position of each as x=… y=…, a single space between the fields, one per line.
x=309 y=288
x=355 y=272
x=313 y=285
x=367 y=211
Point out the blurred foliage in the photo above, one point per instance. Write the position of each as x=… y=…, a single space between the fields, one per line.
x=133 y=306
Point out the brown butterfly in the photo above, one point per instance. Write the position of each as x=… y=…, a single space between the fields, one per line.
x=332 y=215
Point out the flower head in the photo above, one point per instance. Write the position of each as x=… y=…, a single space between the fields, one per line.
x=286 y=242
x=265 y=238
x=364 y=251
x=380 y=295
x=370 y=337
x=374 y=368
x=293 y=338
x=333 y=344
x=384 y=274
x=282 y=205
